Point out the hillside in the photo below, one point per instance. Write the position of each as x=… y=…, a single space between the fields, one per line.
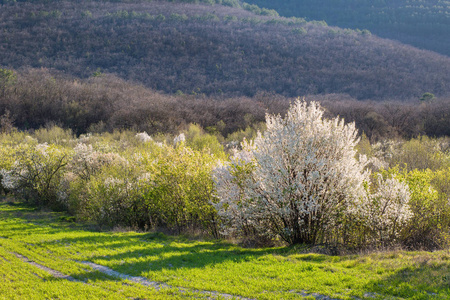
x=214 y=50
x=424 y=24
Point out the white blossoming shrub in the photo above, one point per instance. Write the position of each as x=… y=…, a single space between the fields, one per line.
x=386 y=210
x=7 y=180
x=37 y=172
x=232 y=179
x=304 y=180
x=143 y=137
x=179 y=138
x=87 y=162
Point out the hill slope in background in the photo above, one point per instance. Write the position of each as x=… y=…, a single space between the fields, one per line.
x=424 y=24
x=215 y=50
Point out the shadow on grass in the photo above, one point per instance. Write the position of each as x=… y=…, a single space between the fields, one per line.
x=161 y=250
x=426 y=277
x=142 y=252
x=42 y=216
x=155 y=252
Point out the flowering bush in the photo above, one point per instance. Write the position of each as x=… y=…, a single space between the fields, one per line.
x=37 y=171
x=6 y=162
x=87 y=162
x=147 y=185
x=113 y=197
x=387 y=210
x=232 y=179
x=143 y=137
x=179 y=139
x=298 y=180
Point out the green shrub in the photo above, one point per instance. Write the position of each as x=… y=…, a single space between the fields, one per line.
x=148 y=185
x=198 y=140
x=430 y=207
x=181 y=193
x=54 y=135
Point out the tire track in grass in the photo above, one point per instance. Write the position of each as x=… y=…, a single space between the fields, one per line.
x=155 y=284
x=158 y=285
x=140 y=280
x=54 y=273
x=316 y=296
x=144 y=281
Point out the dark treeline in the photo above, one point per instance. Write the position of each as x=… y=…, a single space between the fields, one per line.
x=36 y=98
x=424 y=24
x=214 y=50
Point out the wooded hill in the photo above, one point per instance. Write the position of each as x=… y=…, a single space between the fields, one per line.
x=424 y=24
x=214 y=50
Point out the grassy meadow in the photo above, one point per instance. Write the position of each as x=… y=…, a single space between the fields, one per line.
x=190 y=266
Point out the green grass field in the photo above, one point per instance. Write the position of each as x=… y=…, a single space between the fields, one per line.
x=194 y=266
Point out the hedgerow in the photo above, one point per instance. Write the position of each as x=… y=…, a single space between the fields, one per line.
x=304 y=179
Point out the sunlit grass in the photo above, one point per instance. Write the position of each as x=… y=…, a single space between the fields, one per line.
x=268 y=273
x=21 y=280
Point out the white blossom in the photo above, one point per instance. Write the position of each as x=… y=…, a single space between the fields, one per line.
x=85 y=138
x=112 y=182
x=42 y=148
x=387 y=209
x=180 y=138
x=9 y=180
x=145 y=177
x=143 y=137
x=304 y=175
x=86 y=161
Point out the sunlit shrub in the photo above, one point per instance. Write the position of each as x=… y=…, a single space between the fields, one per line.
x=113 y=196
x=420 y=153
x=423 y=153
x=303 y=180
x=143 y=137
x=148 y=186
x=181 y=192
x=199 y=140
x=430 y=206
x=37 y=171
x=54 y=135
x=386 y=210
